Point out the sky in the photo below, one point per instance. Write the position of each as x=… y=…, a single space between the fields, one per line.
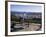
x=26 y=8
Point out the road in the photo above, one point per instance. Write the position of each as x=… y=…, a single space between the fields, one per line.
x=32 y=27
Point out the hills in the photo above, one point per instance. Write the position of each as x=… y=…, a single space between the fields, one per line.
x=27 y=14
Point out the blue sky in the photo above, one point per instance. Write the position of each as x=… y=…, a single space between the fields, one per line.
x=26 y=8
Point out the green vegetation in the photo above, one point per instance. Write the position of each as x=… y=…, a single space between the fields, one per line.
x=33 y=20
x=14 y=18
